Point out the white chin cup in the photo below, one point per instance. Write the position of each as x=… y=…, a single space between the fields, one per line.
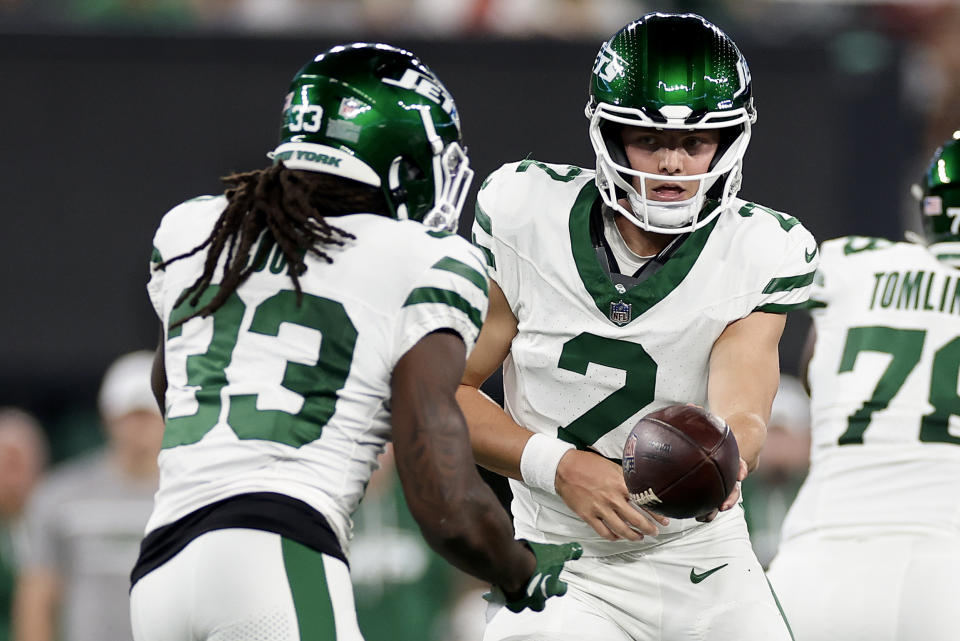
x=665 y=215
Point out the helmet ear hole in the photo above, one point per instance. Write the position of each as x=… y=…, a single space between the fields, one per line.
x=411 y=171
x=395 y=185
x=409 y=188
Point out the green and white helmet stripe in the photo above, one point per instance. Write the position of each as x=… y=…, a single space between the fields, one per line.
x=376 y=114
x=669 y=71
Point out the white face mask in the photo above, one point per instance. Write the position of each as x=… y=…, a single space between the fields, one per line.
x=675 y=217
x=453 y=176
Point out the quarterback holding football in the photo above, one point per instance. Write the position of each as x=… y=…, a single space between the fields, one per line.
x=617 y=292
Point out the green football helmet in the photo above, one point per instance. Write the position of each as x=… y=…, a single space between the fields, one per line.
x=669 y=71
x=376 y=114
x=939 y=194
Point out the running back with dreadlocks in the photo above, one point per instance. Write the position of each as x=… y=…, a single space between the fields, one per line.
x=312 y=313
x=292 y=207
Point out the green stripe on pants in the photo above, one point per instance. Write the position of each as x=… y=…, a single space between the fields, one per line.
x=780 y=607
x=311 y=594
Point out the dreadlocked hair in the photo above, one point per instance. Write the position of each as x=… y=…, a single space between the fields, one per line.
x=287 y=206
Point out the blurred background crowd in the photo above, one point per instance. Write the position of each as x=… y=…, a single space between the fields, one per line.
x=115 y=110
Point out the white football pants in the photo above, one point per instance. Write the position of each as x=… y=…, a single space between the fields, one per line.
x=245 y=585
x=876 y=588
x=707 y=586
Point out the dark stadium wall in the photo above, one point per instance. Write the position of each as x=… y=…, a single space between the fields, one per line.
x=101 y=135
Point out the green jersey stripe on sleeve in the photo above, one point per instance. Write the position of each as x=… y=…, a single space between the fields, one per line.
x=445 y=297
x=787 y=283
x=786 y=222
x=487 y=254
x=482 y=219
x=572 y=172
x=462 y=269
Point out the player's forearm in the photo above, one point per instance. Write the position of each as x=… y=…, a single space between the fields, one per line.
x=477 y=537
x=497 y=440
x=744 y=372
x=459 y=515
x=750 y=431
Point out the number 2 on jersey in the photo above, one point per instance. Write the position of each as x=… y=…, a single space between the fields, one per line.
x=905 y=346
x=637 y=390
x=316 y=384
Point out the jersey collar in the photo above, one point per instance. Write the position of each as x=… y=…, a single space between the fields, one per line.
x=622 y=307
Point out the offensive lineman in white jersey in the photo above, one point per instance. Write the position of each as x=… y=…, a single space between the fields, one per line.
x=616 y=293
x=300 y=335
x=870 y=549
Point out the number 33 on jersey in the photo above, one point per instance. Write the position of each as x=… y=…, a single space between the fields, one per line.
x=269 y=392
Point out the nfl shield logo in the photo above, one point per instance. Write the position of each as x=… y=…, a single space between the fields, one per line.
x=621 y=313
x=350 y=107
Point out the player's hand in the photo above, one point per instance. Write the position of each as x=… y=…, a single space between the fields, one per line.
x=593 y=488
x=544 y=582
x=732 y=499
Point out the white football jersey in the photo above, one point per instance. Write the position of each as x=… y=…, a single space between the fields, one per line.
x=589 y=359
x=885 y=406
x=268 y=395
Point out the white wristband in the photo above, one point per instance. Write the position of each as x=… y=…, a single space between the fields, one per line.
x=539 y=460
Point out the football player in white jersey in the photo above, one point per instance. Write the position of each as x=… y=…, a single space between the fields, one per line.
x=616 y=293
x=870 y=549
x=317 y=310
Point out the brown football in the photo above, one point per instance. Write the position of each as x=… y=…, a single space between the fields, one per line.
x=680 y=461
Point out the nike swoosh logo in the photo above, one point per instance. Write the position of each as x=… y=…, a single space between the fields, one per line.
x=809 y=255
x=697 y=578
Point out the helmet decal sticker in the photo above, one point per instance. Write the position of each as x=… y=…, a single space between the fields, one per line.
x=932 y=206
x=305 y=118
x=609 y=64
x=425 y=86
x=343 y=130
x=351 y=107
